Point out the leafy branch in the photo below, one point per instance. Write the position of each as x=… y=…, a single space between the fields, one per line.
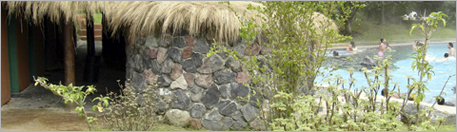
x=75 y=95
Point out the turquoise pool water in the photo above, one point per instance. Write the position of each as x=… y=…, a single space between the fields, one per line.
x=402 y=67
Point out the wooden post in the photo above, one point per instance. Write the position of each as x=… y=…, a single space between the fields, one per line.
x=69 y=54
x=90 y=35
x=91 y=67
x=5 y=78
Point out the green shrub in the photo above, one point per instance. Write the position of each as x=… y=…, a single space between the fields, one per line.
x=132 y=110
x=297 y=54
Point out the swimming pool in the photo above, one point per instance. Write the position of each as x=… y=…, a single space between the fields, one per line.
x=402 y=66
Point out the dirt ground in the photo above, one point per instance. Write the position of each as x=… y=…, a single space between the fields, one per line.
x=41 y=120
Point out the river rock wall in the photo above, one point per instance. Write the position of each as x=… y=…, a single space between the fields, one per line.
x=193 y=86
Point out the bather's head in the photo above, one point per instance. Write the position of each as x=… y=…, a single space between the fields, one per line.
x=352 y=44
x=336 y=54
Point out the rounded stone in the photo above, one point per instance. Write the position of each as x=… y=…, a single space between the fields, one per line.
x=164 y=80
x=187 y=52
x=233 y=64
x=213 y=116
x=204 y=81
x=167 y=65
x=178 y=117
x=249 y=112
x=211 y=97
x=197 y=110
x=180 y=83
x=211 y=64
x=196 y=93
x=175 y=54
x=181 y=101
x=161 y=55
x=201 y=46
x=155 y=66
x=178 y=42
x=224 y=76
x=189 y=79
x=176 y=71
x=226 y=107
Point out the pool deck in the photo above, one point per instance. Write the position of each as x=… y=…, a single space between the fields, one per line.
x=339 y=46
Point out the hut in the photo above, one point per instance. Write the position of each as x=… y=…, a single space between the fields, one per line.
x=32 y=29
x=167 y=49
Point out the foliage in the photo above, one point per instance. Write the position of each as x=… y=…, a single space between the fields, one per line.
x=132 y=110
x=347 y=10
x=77 y=96
x=219 y=48
x=298 y=49
x=369 y=31
x=424 y=69
x=297 y=52
x=392 y=10
x=344 y=109
x=395 y=9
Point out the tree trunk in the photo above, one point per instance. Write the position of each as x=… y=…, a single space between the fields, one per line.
x=348 y=27
x=383 y=21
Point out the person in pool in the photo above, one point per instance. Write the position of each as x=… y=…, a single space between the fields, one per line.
x=351 y=48
x=446 y=57
x=336 y=54
x=382 y=46
x=417 y=44
x=451 y=51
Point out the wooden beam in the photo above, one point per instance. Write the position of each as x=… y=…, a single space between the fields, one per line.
x=69 y=54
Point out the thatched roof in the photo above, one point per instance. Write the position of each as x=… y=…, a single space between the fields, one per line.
x=146 y=17
x=195 y=17
x=35 y=11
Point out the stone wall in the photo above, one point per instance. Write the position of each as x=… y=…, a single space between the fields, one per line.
x=192 y=85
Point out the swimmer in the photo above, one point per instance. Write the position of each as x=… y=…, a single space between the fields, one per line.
x=336 y=54
x=451 y=51
x=446 y=57
x=382 y=44
x=381 y=47
x=351 y=47
x=417 y=44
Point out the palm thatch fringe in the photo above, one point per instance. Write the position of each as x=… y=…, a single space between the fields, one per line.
x=195 y=17
x=34 y=11
x=153 y=17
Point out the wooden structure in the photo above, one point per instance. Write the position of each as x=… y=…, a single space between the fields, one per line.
x=22 y=54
